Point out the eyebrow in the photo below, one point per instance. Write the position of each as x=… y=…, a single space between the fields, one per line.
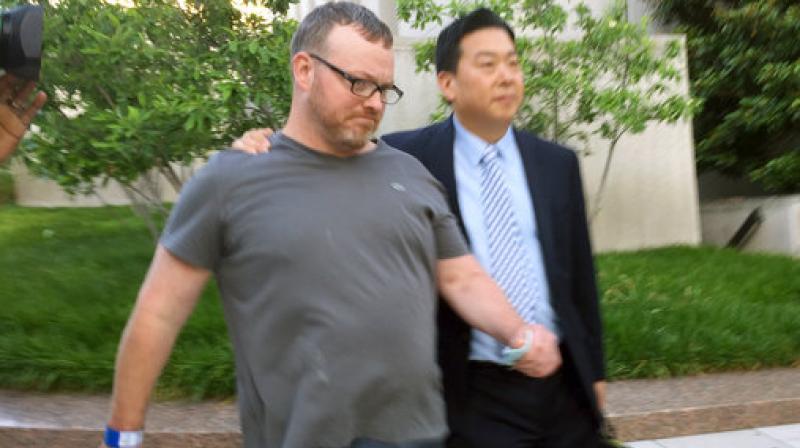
x=367 y=77
x=494 y=53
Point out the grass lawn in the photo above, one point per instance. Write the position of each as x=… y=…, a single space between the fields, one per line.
x=68 y=278
x=680 y=310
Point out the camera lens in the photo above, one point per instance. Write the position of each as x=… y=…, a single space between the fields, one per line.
x=21 y=41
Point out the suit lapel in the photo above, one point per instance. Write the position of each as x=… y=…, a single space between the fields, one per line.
x=439 y=155
x=538 y=181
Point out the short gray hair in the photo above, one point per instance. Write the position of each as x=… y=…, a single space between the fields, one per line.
x=315 y=27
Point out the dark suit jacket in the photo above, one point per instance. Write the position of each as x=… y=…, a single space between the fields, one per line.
x=555 y=185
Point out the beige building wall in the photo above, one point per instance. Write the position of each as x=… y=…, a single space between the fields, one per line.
x=651 y=198
x=32 y=191
x=779 y=230
x=651 y=195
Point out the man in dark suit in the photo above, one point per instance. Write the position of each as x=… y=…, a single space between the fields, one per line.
x=519 y=200
x=488 y=405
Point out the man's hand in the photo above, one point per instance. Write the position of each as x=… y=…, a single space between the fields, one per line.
x=600 y=393
x=544 y=357
x=18 y=106
x=254 y=141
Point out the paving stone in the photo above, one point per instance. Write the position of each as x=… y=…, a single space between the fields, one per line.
x=733 y=439
x=644 y=444
x=785 y=432
x=788 y=434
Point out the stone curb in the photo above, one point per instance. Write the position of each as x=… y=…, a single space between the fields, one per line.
x=653 y=409
x=639 y=410
x=702 y=420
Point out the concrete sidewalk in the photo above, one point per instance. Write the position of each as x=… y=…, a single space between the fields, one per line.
x=651 y=412
x=786 y=436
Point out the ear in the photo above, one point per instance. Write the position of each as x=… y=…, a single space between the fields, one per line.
x=447 y=85
x=303 y=70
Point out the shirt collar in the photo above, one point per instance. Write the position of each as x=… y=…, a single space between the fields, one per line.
x=474 y=147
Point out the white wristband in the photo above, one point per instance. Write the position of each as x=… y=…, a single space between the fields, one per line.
x=123 y=439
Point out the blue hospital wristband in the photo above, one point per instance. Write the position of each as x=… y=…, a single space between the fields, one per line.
x=122 y=439
x=512 y=355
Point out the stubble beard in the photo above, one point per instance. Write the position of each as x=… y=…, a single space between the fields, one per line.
x=343 y=139
x=350 y=140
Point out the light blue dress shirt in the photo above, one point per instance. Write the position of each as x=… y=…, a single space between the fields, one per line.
x=467 y=154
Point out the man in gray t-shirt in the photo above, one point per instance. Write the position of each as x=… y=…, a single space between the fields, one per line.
x=328 y=253
x=326 y=266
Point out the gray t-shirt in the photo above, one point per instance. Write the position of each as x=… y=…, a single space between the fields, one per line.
x=326 y=268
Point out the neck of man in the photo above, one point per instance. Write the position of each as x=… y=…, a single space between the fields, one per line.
x=303 y=129
x=490 y=131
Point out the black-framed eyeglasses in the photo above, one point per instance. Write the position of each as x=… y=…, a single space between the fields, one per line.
x=364 y=87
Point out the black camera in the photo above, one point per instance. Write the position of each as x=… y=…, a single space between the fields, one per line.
x=21 y=41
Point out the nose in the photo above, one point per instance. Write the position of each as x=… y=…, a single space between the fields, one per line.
x=374 y=102
x=507 y=72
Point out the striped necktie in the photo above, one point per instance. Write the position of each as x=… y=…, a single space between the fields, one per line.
x=509 y=260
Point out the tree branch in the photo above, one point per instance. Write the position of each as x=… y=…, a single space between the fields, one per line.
x=106 y=96
x=172 y=177
x=598 y=197
x=141 y=209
